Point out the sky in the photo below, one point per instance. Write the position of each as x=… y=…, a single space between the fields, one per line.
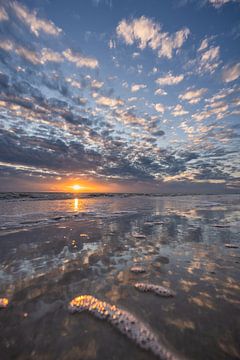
x=120 y=95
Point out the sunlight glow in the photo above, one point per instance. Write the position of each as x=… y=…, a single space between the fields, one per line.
x=76 y=187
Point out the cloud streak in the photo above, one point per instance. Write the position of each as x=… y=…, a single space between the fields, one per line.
x=35 y=24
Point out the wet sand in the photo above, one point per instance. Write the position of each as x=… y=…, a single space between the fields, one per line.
x=183 y=248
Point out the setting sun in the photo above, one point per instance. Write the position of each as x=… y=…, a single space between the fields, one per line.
x=77 y=187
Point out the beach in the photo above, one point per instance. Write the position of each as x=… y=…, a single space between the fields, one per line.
x=53 y=250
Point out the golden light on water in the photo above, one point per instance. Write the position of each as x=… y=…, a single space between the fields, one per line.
x=76 y=204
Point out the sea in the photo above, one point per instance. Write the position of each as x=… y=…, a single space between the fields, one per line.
x=55 y=246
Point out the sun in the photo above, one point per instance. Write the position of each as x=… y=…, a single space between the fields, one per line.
x=76 y=187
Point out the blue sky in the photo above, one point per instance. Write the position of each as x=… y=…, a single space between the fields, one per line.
x=133 y=95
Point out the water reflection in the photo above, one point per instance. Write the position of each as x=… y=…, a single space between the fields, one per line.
x=76 y=204
x=43 y=268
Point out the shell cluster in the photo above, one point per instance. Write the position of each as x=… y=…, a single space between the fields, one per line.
x=4 y=303
x=157 y=289
x=125 y=322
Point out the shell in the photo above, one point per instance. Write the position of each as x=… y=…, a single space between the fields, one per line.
x=157 y=289
x=125 y=322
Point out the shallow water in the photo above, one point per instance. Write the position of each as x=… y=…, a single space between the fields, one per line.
x=47 y=259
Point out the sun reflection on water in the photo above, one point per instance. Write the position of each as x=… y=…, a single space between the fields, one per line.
x=76 y=204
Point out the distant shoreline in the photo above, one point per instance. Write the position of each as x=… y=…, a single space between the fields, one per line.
x=65 y=195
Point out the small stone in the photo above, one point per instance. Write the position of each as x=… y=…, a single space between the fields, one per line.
x=138 y=236
x=4 y=303
x=137 y=269
x=231 y=246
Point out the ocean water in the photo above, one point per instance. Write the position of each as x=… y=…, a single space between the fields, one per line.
x=55 y=248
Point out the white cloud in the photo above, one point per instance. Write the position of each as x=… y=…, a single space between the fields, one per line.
x=218 y=3
x=137 y=87
x=106 y=101
x=179 y=111
x=209 y=60
x=95 y=84
x=218 y=110
x=6 y=45
x=135 y=55
x=193 y=96
x=211 y=54
x=49 y=55
x=80 y=60
x=28 y=55
x=223 y=93
x=3 y=15
x=112 y=44
x=169 y=43
x=33 y=22
x=73 y=82
x=129 y=118
x=169 y=79
x=160 y=92
x=231 y=73
x=133 y=98
x=146 y=32
x=159 y=108
x=203 y=45
x=95 y=95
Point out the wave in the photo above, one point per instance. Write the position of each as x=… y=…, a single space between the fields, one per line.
x=56 y=195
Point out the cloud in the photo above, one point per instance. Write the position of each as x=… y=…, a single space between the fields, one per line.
x=223 y=93
x=193 y=96
x=169 y=43
x=218 y=110
x=107 y=101
x=169 y=79
x=35 y=24
x=203 y=45
x=73 y=82
x=145 y=32
x=46 y=55
x=135 y=55
x=129 y=118
x=50 y=55
x=231 y=73
x=210 y=55
x=3 y=14
x=29 y=55
x=179 y=111
x=6 y=45
x=112 y=44
x=69 y=122
x=80 y=60
x=95 y=84
x=209 y=60
x=219 y=3
x=159 y=108
x=137 y=87
x=160 y=92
